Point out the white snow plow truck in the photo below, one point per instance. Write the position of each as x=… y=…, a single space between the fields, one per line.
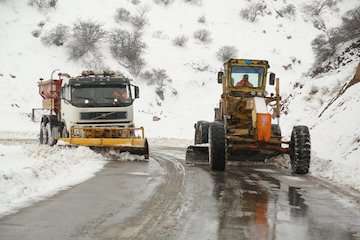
x=93 y=110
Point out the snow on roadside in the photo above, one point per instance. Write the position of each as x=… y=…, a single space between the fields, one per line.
x=334 y=134
x=125 y=156
x=170 y=142
x=31 y=173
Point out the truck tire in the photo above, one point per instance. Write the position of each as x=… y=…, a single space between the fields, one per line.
x=201 y=132
x=217 y=147
x=64 y=132
x=43 y=137
x=146 y=151
x=51 y=135
x=300 y=150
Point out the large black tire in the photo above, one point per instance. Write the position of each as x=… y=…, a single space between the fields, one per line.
x=201 y=132
x=146 y=150
x=217 y=147
x=51 y=134
x=64 y=132
x=300 y=150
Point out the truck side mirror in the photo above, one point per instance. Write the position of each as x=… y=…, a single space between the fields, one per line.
x=220 y=77
x=137 y=92
x=272 y=79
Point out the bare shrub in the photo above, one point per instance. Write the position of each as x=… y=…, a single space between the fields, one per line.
x=85 y=36
x=289 y=11
x=135 y=2
x=160 y=92
x=314 y=90
x=325 y=45
x=164 y=2
x=351 y=22
x=323 y=50
x=180 y=41
x=140 y=20
x=160 y=79
x=202 y=19
x=128 y=48
x=41 y=24
x=43 y=4
x=203 y=35
x=157 y=77
x=253 y=11
x=226 y=52
x=314 y=10
x=122 y=15
x=36 y=33
x=56 y=36
x=194 y=2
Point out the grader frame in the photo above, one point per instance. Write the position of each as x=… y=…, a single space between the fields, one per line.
x=242 y=128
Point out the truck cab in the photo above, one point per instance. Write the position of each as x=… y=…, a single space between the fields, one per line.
x=92 y=100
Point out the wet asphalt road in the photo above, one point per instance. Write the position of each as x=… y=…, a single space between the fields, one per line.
x=166 y=199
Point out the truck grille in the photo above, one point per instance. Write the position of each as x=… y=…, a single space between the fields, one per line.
x=103 y=115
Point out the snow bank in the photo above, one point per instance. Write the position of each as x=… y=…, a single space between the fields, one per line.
x=335 y=134
x=32 y=172
x=125 y=156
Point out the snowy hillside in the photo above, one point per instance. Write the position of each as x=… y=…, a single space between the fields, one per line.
x=283 y=37
x=332 y=114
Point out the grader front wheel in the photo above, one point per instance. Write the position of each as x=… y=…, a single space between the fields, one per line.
x=217 y=147
x=300 y=150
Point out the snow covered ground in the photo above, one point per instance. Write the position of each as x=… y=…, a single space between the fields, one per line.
x=32 y=172
x=335 y=135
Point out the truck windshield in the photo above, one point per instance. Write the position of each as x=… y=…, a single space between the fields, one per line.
x=242 y=76
x=101 y=96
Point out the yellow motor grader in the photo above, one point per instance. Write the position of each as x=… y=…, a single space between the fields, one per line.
x=243 y=129
x=93 y=110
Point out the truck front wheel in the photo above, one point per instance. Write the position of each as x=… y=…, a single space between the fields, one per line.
x=43 y=136
x=51 y=134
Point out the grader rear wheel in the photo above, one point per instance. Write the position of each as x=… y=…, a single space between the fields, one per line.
x=300 y=150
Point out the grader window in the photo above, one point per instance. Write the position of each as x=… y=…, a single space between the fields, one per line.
x=246 y=76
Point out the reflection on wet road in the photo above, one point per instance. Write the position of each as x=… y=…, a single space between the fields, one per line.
x=261 y=203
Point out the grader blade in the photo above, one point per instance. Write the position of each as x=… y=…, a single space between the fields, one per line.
x=197 y=154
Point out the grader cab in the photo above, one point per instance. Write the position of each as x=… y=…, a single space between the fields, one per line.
x=246 y=125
